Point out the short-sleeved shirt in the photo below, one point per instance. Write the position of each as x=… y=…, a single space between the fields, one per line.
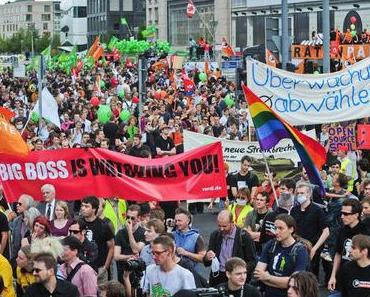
x=281 y=263
x=85 y=279
x=164 y=144
x=353 y=280
x=249 y=180
x=123 y=241
x=159 y=283
x=99 y=232
x=314 y=217
x=344 y=240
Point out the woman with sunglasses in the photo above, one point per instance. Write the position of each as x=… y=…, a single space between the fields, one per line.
x=303 y=284
x=24 y=272
x=40 y=230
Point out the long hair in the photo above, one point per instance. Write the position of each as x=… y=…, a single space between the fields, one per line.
x=305 y=284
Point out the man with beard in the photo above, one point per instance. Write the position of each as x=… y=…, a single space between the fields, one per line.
x=138 y=147
x=44 y=270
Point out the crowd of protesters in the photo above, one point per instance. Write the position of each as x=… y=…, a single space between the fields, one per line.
x=270 y=233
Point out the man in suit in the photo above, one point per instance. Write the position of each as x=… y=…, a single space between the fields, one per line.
x=47 y=206
x=226 y=242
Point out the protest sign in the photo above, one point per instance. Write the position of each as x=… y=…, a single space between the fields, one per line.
x=76 y=173
x=283 y=154
x=342 y=136
x=305 y=99
x=363 y=137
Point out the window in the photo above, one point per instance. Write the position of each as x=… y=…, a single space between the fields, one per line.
x=45 y=17
x=28 y=17
x=29 y=8
x=79 y=12
x=46 y=8
x=45 y=26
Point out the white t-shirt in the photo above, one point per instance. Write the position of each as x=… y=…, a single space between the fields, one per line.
x=159 y=283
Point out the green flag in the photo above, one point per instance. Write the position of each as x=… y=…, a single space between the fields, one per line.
x=123 y=21
x=46 y=52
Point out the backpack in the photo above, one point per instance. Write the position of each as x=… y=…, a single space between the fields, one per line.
x=293 y=253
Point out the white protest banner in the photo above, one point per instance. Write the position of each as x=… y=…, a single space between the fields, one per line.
x=234 y=150
x=306 y=99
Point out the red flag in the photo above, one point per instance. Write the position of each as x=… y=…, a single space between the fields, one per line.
x=363 y=137
x=190 y=10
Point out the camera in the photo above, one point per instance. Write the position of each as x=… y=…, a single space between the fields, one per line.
x=137 y=265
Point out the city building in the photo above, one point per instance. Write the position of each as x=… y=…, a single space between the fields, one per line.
x=107 y=18
x=254 y=22
x=42 y=16
x=156 y=14
x=211 y=20
x=74 y=24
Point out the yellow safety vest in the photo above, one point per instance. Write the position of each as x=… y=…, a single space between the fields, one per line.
x=343 y=167
x=111 y=214
x=243 y=214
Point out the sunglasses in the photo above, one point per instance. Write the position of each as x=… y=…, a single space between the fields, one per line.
x=131 y=218
x=158 y=253
x=346 y=213
x=74 y=231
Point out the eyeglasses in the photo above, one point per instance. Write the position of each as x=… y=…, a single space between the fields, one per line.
x=74 y=231
x=37 y=270
x=131 y=218
x=158 y=253
x=346 y=213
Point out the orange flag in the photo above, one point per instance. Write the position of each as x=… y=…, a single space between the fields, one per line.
x=271 y=59
x=11 y=141
x=94 y=47
x=98 y=53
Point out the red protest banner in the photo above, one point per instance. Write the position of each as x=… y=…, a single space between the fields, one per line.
x=363 y=137
x=75 y=173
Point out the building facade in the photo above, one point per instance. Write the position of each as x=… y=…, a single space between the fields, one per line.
x=156 y=14
x=43 y=16
x=74 y=24
x=211 y=20
x=104 y=18
x=254 y=21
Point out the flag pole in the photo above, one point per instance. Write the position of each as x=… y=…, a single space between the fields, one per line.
x=270 y=177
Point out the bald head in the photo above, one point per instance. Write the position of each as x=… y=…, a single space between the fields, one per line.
x=225 y=215
x=225 y=222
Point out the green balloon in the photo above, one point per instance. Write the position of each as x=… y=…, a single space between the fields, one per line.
x=35 y=117
x=102 y=84
x=124 y=115
x=104 y=114
x=229 y=100
x=202 y=76
x=121 y=93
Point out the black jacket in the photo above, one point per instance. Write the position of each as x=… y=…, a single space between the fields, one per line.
x=243 y=248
